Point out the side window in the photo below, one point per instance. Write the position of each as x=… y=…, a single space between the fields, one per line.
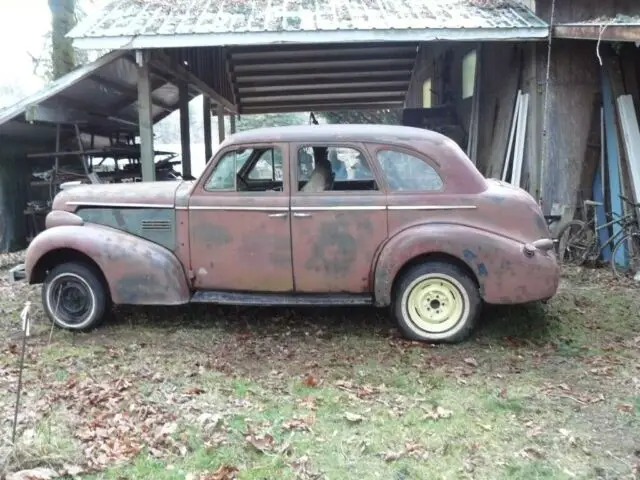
x=247 y=169
x=224 y=174
x=406 y=172
x=326 y=168
x=268 y=166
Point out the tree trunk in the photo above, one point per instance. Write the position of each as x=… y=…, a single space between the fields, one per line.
x=63 y=19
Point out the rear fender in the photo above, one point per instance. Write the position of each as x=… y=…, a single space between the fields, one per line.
x=137 y=271
x=503 y=272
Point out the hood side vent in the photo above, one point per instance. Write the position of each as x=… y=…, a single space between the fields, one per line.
x=156 y=225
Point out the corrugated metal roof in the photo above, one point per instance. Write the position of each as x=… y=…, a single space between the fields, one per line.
x=174 y=23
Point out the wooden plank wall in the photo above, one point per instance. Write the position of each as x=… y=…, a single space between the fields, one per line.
x=499 y=85
x=573 y=84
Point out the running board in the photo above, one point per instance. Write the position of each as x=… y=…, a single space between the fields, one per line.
x=279 y=299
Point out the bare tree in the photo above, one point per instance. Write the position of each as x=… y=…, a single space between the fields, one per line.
x=63 y=19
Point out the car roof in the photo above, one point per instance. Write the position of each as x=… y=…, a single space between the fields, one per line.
x=391 y=134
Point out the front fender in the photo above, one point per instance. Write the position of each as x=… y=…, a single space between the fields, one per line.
x=137 y=271
x=503 y=272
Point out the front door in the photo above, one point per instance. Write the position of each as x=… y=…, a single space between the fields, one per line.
x=336 y=229
x=240 y=237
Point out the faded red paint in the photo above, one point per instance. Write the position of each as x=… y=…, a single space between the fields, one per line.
x=330 y=242
x=136 y=270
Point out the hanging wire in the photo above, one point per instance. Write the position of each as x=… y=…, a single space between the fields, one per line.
x=545 y=112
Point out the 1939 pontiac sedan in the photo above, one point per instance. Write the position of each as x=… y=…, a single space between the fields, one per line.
x=310 y=215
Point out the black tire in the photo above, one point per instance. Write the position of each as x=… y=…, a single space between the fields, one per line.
x=455 y=286
x=74 y=297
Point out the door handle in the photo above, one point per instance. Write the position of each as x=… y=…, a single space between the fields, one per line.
x=278 y=215
x=301 y=214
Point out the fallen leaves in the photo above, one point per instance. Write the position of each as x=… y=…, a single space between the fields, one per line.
x=471 y=361
x=34 y=474
x=263 y=443
x=310 y=380
x=302 y=424
x=438 y=412
x=359 y=391
x=194 y=391
x=353 y=417
x=531 y=453
x=411 y=449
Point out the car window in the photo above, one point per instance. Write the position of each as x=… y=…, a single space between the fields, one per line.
x=406 y=172
x=268 y=166
x=264 y=173
x=346 y=168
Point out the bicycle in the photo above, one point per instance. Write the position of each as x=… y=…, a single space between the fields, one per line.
x=578 y=239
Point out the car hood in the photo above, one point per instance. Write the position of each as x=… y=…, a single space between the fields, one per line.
x=142 y=194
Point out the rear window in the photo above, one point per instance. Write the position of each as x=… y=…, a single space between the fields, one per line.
x=406 y=172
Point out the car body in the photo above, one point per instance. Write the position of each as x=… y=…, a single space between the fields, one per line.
x=417 y=228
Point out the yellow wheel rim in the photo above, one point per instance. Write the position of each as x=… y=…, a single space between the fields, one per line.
x=435 y=304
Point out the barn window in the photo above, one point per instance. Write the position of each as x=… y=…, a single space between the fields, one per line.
x=426 y=93
x=468 y=74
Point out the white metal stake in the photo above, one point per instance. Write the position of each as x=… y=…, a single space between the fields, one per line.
x=26 y=331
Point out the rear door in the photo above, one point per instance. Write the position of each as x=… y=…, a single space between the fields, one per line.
x=336 y=233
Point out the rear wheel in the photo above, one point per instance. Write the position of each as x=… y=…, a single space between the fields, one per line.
x=625 y=257
x=74 y=297
x=436 y=302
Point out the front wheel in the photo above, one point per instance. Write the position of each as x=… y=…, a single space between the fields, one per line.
x=74 y=297
x=625 y=257
x=436 y=302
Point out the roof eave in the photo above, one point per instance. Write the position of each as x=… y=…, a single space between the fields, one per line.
x=318 y=36
x=596 y=31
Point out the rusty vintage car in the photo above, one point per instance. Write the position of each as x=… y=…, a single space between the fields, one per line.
x=409 y=223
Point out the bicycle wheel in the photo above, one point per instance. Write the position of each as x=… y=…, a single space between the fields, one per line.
x=575 y=242
x=625 y=262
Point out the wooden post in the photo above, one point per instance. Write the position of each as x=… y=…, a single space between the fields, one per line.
x=220 y=123
x=206 y=122
x=232 y=123
x=185 y=137
x=145 y=120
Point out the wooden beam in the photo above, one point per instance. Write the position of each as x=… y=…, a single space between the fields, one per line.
x=232 y=123
x=206 y=123
x=185 y=135
x=145 y=118
x=342 y=65
x=163 y=62
x=326 y=107
x=346 y=55
x=603 y=32
x=220 y=110
x=323 y=75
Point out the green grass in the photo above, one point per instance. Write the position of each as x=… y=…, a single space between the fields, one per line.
x=540 y=391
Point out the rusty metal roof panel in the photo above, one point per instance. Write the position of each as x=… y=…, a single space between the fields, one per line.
x=174 y=23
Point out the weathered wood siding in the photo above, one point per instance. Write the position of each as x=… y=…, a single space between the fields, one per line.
x=568 y=11
x=573 y=83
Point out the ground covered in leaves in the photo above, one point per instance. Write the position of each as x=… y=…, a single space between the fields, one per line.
x=540 y=391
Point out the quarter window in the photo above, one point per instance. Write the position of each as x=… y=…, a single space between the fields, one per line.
x=406 y=172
